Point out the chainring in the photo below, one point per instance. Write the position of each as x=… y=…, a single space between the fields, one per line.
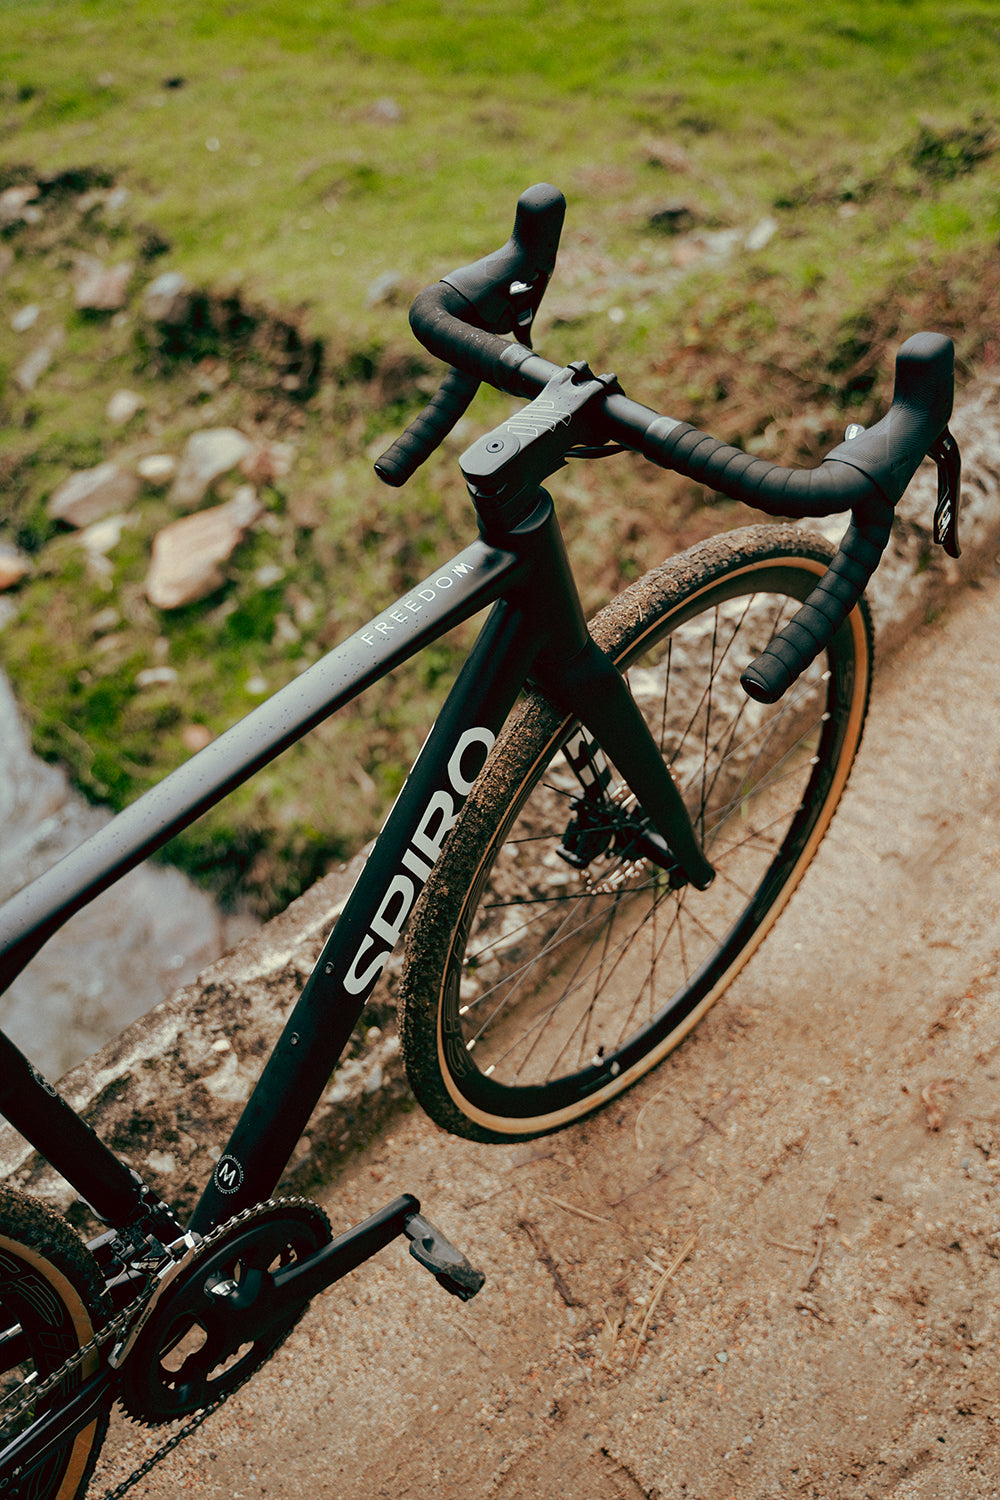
x=211 y=1329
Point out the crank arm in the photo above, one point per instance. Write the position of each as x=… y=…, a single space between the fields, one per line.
x=35 y=1443
x=303 y=1280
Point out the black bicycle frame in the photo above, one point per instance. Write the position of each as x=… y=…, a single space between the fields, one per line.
x=536 y=629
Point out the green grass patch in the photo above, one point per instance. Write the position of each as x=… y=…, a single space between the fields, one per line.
x=308 y=167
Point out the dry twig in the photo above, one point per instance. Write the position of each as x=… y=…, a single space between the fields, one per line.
x=571 y=1208
x=548 y=1261
x=673 y=1267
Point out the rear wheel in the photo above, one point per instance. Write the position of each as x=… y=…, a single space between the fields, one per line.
x=536 y=989
x=51 y=1304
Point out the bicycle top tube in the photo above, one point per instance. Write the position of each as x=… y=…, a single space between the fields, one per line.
x=462 y=320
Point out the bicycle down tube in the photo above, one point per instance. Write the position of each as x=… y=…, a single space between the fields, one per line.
x=541 y=628
x=531 y=631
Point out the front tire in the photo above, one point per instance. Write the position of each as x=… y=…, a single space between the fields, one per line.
x=533 y=993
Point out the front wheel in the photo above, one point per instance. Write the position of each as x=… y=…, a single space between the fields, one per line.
x=550 y=961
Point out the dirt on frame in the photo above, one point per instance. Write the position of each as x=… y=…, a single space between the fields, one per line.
x=771 y=1269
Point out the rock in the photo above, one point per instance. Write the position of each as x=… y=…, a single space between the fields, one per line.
x=188 y=554
x=13 y=565
x=91 y=494
x=103 y=536
x=163 y=1162
x=105 y=621
x=100 y=288
x=123 y=406
x=195 y=737
x=207 y=456
x=30 y=371
x=384 y=290
x=761 y=234
x=25 y=318
x=167 y=299
x=157 y=469
x=156 y=677
x=15 y=204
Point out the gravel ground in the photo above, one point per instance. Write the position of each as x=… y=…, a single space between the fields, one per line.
x=772 y=1269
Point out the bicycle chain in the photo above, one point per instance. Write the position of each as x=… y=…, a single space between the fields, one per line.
x=116 y=1325
x=79 y=1357
x=171 y=1443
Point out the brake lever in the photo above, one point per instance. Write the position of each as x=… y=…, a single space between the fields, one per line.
x=499 y=294
x=949 y=470
x=504 y=290
x=946 y=455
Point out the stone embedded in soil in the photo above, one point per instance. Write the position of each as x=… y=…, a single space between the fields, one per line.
x=157 y=469
x=25 y=317
x=31 y=369
x=123 y=406
x=207 y=456
x=167 y=299
x=188 y=554
x=91 y=494
x=13 y=566
x=16 y=203
x=100 y=288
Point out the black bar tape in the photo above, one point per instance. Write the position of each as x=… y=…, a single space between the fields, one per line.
x=866 y=474
x=428 y=430
x=436 y=318
x=821 y=616
x=833 y=486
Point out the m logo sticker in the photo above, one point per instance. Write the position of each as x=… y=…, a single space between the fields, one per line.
x=228 y=1175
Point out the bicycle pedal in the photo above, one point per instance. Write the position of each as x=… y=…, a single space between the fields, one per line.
x=436 y=1254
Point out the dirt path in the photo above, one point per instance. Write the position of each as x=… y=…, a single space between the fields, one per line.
x=798 y=1212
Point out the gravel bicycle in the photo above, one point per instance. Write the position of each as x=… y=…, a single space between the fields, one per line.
x=601 y=828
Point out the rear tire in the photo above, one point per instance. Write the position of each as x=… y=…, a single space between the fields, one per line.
x=534 y=993
x=50 y=1289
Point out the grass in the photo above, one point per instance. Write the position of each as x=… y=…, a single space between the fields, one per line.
x=273 y=167
x=286 y=157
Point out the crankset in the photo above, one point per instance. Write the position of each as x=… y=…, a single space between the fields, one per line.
x=222 y=1311
x=212 y=1321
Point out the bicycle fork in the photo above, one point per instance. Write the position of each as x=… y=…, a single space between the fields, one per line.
x=593 y=688
x=504 y=472
x=582 y=680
